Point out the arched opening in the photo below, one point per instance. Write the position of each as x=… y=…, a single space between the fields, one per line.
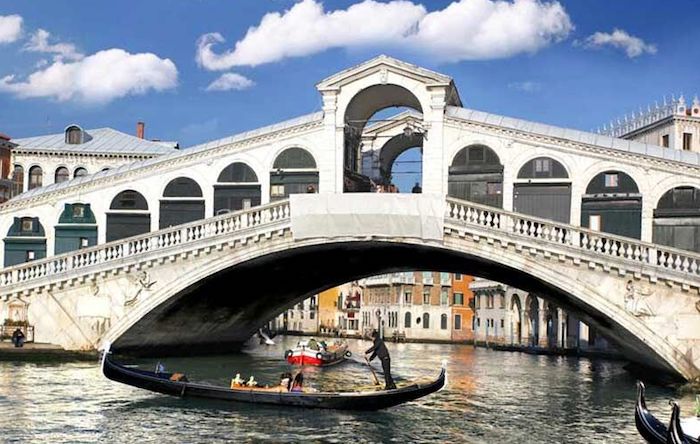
x=293 y=172
x=36 y=175
x=17 y=180
x=361 y=110
x=62 y=174
x=677 y=219
x=128 y=216
x=476 y=175
x=533 y=318
x=76 y=228
x=80 y=172
x=407 y=320
x=74 y=135
x=182 y=202
x=516 y=320
x=443 y=321
x=426 y=320
x=543 y=189
x=236 y=188
x=25 y=241
x=613 y=204
x=552 y=320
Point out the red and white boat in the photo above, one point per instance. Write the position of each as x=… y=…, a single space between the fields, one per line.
x=318 y=353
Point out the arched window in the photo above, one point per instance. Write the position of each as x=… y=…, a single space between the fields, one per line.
x=182 y=202
x=294 y=171
x=18 y=179
x=543 y=168
x=677 y=219
x=80 y=172
x=613 y=204
x=407 y=320
x=36 y=175
x=74 y=135
x=443 y=322
x=182 y=187
x=237 y=188
x=476 y=175
x=62 y=175
x=294 y=158
x=129 y=200
x=76 y=229
x=426 y=320
x=128 y=216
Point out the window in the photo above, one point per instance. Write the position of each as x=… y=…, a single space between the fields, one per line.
x=478 y=322
x=61 y=175
x=687 y=141
x=407 y=320
x=30 y=255
x=543 y=165
x=426 y=297
x=74 y=135
x=35 y=177
x=611 y=180
x=18 y=179
x=426 y=320
x=443 y=322
x=312 y=315
x=494 y=188
x=458 y=322
x=503 y=323
x=247 y=203
x=457 y=299
x=503 y=300
x=78 y=211
x=80 y=172
x=594 y=221
x=664 y=140
x=84 y=243
x=444 y=298
x=27 y=225
x=276 y=190
x=458 y=276
x=477 y=300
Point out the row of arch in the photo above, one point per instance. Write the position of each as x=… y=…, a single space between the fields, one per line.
x=36 y=176
x=612 y=202
x=424 y=320
x=237 y=187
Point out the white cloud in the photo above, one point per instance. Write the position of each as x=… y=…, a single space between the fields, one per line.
x=620 y=39
x=10 y=28
x=230 y=81
x=39 y=42
x=464 y=30
x=527 y=86
x=98 y=78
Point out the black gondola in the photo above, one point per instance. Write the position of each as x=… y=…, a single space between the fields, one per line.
x=651 y=429
x=160 y=382
x=675 y=431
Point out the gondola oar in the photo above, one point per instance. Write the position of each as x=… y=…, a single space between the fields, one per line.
x=374 y=375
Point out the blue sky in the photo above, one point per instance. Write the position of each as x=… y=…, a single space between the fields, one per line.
x=566 y=81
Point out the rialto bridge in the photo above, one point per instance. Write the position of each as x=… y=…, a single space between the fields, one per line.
x=194 y=249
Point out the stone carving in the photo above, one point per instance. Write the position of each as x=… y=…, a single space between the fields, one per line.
x=636 y=300
x=142 y=282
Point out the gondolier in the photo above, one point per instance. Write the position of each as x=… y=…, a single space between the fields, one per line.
x=380 y=350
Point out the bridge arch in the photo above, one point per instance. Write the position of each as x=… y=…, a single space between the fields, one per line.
x=391 y=151
x=294 y=170
x=128 y=215
x=476 y=175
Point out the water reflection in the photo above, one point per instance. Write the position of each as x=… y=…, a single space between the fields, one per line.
x=491 y=397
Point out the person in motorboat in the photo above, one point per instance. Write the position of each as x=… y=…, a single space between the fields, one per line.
x=252 y=382
x=298 y=384
x=379 y=350
x=237 y=381
x=313 y=344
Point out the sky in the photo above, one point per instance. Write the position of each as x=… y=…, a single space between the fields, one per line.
x=198 y=70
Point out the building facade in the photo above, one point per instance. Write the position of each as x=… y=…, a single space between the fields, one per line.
x=462 y=308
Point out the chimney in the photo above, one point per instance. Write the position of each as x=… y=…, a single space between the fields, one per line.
x=140 y=130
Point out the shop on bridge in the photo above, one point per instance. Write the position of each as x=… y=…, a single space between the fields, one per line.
x=237 y=188
x=294 y=171
x=613 y=204
x=677 y=219
x=76 y=228
x=25 y=241
x=476 y=175
x=543 y=189
x=128 y=216
x=182 y=202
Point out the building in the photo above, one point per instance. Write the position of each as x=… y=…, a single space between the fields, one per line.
x=328 y=311
x=462 y=308
x=301 y=318
x=6 y=184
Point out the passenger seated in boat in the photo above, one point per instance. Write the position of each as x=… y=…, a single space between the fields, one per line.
x=323 y=345
x=297 y=385
x=313 y=344
x=286 y=381
x=237 y=381
x=178 y=377
x=252 y=382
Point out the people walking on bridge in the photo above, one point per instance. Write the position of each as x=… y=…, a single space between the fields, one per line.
x=379 y=350
x=18 y=338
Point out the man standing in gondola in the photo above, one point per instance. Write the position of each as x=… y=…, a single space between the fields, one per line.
x=379 y=349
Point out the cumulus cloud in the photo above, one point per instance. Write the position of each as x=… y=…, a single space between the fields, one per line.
x=39 y=42
x=620 y=39
x=464 y=30
x=10 y=28
x=527 y=86
x=97 y=78
x=230 y=81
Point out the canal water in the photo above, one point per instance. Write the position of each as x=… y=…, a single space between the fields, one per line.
x=491 y=397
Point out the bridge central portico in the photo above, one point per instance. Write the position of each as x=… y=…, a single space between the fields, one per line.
x=181 y=237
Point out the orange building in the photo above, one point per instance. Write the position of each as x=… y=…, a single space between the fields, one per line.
x=462 y=311
x=328 y=309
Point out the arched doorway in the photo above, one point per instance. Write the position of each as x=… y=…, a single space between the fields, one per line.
x=25 y=241
x=613 y=204
x=294 y=171
x=236 y=188
x=516 y=320
x=182 y=202
x=476 y=175
x=677 y=219
x=360 y=110
x=76 y=228
x=128 y=216
x=543 y=189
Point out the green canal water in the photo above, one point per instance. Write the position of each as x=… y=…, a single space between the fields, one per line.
x=491 y=397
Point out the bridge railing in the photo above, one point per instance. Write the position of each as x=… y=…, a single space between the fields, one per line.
x=153 y=241
x=585 y=239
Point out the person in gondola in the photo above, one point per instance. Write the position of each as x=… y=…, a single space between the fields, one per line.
x=18 y=338
x=379 y=350
x=286 y=381
x=298 y=384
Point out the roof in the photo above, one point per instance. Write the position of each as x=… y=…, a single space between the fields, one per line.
x=173 y=154
x=599 y=140
x=98 y=141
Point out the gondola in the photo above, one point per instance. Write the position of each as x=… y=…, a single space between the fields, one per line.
x=373 y=400
x=651 y=429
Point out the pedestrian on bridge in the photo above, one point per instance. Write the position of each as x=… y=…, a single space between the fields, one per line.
x=379 y=349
